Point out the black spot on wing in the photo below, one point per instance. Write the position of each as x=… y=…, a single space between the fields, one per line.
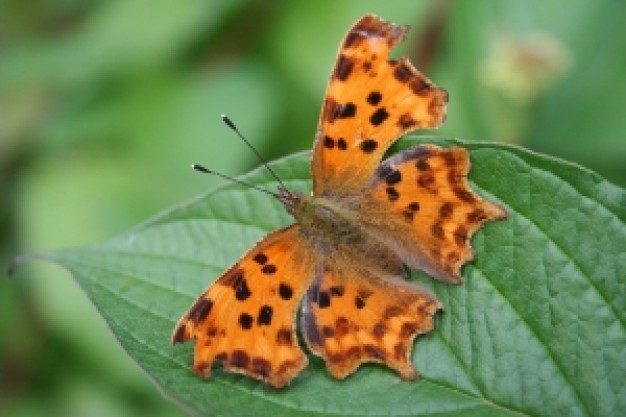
x=285 y=291
x=323 y=299
x=242 y=292
x=260 y=258
x=269 y=269
x=413 y=206
x=346 y=111
x=379 y=116
x=374 y=98
x=245 y=321
x=393 y=177
x=369 y=145
x=265 y=315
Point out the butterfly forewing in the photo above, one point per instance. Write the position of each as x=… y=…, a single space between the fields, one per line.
x=370 y=102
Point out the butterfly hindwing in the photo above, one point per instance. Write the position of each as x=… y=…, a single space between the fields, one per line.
x=353 y=314
x=370 y=102
x=246 y=319
x=432 y=212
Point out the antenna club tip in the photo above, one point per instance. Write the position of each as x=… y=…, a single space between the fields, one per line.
x=229 y=123
x=200 y=168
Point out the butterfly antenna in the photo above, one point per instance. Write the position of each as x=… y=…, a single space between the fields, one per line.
x=230 y=124
x=204 y=170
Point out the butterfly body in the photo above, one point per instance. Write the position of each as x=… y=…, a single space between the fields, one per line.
x=324 y=222
x=343 y=260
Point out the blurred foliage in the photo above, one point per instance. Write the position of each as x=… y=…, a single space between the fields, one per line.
x=103 y=105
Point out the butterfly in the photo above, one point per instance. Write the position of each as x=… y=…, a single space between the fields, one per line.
x=343 y=262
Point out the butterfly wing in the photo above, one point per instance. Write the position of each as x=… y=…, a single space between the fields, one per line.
x=357 y=311
x=246 y=319
x=370 y=102
x=430 y=210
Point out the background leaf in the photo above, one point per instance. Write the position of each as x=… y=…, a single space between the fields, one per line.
x=536 y=329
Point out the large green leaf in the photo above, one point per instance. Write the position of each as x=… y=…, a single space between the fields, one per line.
x=536 y=329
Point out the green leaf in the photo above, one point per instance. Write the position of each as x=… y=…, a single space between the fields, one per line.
x=537 y=328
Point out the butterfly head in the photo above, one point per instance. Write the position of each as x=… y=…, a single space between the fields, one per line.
x=299 y=205
x=293 y=201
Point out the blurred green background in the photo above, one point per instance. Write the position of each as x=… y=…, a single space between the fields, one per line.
x=104 y=104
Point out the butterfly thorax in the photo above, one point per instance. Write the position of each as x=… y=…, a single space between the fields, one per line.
x=321 y=218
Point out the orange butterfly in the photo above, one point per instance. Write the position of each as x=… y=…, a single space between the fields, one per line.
x=363 y=222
